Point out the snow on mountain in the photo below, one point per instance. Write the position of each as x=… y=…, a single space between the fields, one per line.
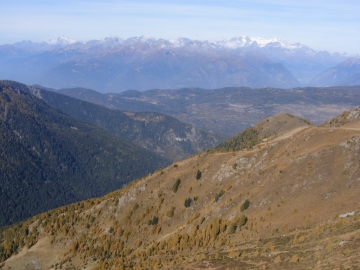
x=241 y=42
x=143 y=59
x=179 y=42
x=60 y=41
x=112 y=40
x=146 y=38
x=222 y=43
x=245 y=41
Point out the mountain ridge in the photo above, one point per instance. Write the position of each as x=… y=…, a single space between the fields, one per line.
x=346 y=118
x=267 y=130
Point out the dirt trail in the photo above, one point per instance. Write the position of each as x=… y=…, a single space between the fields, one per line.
x=287 y=134
x=347 y=128
x=292 y=132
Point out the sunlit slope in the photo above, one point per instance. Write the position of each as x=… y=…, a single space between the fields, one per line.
x=346 y=118
x=268 y=129
x=289 y=203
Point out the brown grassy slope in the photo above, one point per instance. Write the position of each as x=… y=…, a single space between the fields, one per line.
x=272 y=127
x=280 y=124
x=297 y=185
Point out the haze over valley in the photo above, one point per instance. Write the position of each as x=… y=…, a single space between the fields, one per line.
x=232 y=109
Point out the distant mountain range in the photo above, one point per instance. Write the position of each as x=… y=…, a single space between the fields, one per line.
x=49 y=159
x=142 y=63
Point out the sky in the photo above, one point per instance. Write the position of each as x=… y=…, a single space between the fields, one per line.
x=330 y=25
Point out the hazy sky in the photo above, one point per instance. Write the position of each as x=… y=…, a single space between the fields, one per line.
x=330 y=25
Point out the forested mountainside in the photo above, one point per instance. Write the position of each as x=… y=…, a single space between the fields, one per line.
x=49 y=159
x=154 y=131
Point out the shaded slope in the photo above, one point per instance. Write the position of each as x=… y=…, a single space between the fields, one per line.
x=49 y=159
x=291 y=204
x=269 y=128
x=157 y=132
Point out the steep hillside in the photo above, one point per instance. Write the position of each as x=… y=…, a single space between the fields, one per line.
x=229 y=110
x=49 y=159
x=269 y=128
x=156 y=132
x=291 y=203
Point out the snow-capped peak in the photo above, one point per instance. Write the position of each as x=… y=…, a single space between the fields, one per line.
x=113 y=39
x=60 y=41
x=180 y=42
x=147 y=38
x=221 y=43
x=245 y=41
